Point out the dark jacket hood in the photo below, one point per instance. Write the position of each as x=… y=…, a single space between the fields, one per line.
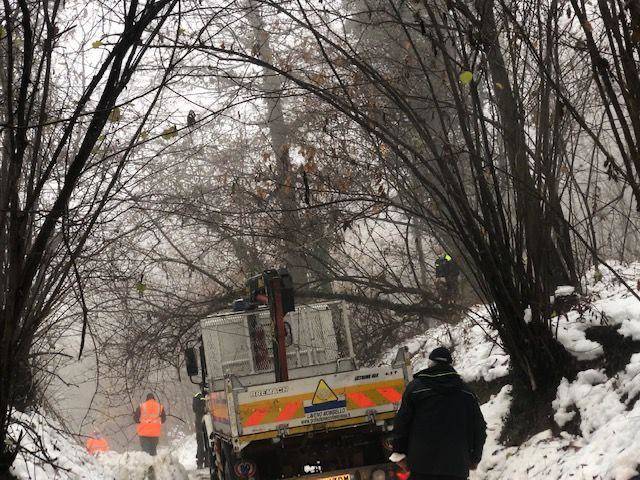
x=442 y=378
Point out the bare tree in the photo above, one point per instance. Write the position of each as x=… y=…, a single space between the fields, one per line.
x=484 y=182
x=461 y=122
x=58 y=170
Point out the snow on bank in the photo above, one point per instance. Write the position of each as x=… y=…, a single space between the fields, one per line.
x=608 y=450
x=45 y=440
x=608 y=447
x=72 y=462
x=184 y=451
x=609 y=303
x=139 y=465
x=476 y=354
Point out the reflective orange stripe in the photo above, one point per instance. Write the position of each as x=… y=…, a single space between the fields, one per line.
x=360 y=396
x=289 y=411
x=390 y=394
x=256 y=417
x=360 y=399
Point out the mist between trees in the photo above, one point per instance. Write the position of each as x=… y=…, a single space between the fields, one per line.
x=156 y=155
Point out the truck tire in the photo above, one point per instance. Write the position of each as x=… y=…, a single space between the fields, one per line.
x=227 y=462
x=213 y=471
x=228 y=470
x=212 y=461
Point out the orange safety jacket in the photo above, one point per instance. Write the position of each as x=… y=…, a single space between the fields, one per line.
x=150 y=419
x=97 y=445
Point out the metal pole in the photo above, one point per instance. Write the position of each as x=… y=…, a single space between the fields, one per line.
x=250 y=340
x=280 y=347
x=347 y=328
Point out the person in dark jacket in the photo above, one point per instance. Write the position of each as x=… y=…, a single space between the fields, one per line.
x=447 y=273
x=439 y=430
x=199 y=408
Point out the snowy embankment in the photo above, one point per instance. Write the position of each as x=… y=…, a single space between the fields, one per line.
x=72 y=462
x=139 y=466
x=608 y=446
x=45 y=445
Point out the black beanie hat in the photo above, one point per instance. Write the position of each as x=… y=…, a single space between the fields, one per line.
x=441 y=354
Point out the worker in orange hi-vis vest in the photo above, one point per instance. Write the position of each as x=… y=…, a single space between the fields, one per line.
x=149 y=416
x=96 y=444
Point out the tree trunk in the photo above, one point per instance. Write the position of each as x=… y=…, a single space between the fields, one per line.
x=536 y=355
x=286 y=178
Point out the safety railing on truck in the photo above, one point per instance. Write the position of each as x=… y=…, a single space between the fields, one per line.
x=241 y=343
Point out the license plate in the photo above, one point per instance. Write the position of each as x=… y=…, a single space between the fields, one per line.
x=344 y=476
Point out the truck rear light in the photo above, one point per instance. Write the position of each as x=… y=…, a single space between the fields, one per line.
x=400 y=475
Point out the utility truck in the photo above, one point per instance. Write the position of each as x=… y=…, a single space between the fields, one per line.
x=285 y=394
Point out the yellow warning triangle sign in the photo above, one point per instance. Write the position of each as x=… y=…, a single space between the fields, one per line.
x=323 y=394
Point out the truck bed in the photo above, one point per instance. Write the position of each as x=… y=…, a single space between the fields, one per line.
x=336 y=400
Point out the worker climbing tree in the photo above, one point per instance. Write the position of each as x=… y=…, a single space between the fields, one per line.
x=447 y=273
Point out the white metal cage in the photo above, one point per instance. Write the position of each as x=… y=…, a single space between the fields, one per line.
x=241 y=343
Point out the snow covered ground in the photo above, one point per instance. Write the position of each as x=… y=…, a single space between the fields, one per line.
x=74 y=463
x=45 y=440
x=138 y=466
x=608 y=447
